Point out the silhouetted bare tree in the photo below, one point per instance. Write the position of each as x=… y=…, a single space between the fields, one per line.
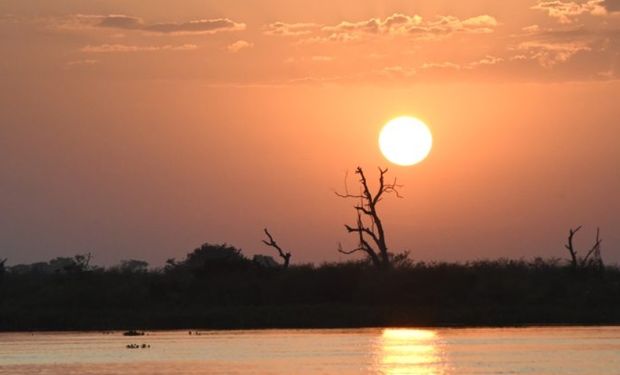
x=593 y=256
x=371 y=236
x=82 y=262
x=272 y=243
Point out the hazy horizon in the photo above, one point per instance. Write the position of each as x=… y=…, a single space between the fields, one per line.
x=133 y=130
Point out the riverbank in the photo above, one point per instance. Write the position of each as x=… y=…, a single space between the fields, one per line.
x=239 y=294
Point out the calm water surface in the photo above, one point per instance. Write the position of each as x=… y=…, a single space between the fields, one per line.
x=557 y=350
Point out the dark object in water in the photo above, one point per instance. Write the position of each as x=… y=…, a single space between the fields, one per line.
x=133 y=333
x=137 y=346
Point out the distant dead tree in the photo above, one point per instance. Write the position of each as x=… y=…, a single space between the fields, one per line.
x=2 y=266
x=369 y=227
x=272 y=243
x=82 y=262
x=593 y=256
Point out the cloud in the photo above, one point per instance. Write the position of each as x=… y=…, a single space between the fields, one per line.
x=397 y=72
x=607 y=74
x=238 y=46
x=447 y=25
x=120 y=48
x=484 y=23
x=204 y=26
x=532 y=29
x=317 y=59
x=487 y=60
x=612 y=5
x=567 y=11
x=85 y=62
x=120 y=21
x=399 y=24
x=342 y=37
x=549 y=54
x=570 y=50
x=440 y=65
x=290 y=29
x=125 y=22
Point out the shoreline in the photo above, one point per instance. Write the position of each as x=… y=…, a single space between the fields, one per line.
x=299 y=318
x=438 y=327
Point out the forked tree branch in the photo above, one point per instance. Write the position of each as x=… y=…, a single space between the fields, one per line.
x=591 y=257
x=272 y=243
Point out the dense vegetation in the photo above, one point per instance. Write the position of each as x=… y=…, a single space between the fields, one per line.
x=216 y=286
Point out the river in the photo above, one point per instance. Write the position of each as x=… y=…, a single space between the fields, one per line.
x=534 y=350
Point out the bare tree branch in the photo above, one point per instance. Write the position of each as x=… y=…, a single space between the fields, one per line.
x=592 y=257
x=272 y=243
x=595 y=247
x=349 y=252
x=571 y=248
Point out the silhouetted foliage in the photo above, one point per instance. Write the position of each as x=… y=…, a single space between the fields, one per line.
x=2 y=268
x=211 y=259
x=216 y=286
x=265 y=261
x=78 y=264
x=132 y=266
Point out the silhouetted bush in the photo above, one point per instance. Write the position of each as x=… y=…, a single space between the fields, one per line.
x=216 y=286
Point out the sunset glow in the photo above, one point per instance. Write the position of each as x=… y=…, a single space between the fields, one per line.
x=141 y=129
x=309 y=175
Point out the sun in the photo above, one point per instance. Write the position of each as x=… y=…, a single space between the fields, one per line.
x=405 y=141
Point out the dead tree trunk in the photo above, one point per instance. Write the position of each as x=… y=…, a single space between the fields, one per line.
x=593 y=256
x=574 y=263
x=272 y=243
x=371 y=236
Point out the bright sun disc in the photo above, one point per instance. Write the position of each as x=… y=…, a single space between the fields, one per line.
x=405 y=141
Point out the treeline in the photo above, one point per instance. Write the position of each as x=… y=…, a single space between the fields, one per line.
x=216 y=286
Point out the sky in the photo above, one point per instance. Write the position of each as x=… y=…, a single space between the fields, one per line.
x=135 y=129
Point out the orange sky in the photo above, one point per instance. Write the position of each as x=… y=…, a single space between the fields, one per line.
x=136 y=129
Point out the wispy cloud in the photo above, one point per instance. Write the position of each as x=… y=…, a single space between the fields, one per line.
x=126 y=22
x=204 y=26
x=120 y=21
x=397 y=72
x=238 y=46
x=85 y=62
x=119 y=48
x=440 y=65
x=397 y=24
x=549 y=54
x=314 y=59
x=567 y=11
x=290 y=29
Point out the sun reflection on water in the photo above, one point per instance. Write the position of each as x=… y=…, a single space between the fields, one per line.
x=409 y=351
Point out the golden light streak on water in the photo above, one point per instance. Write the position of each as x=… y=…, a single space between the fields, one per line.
x=410 y=351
